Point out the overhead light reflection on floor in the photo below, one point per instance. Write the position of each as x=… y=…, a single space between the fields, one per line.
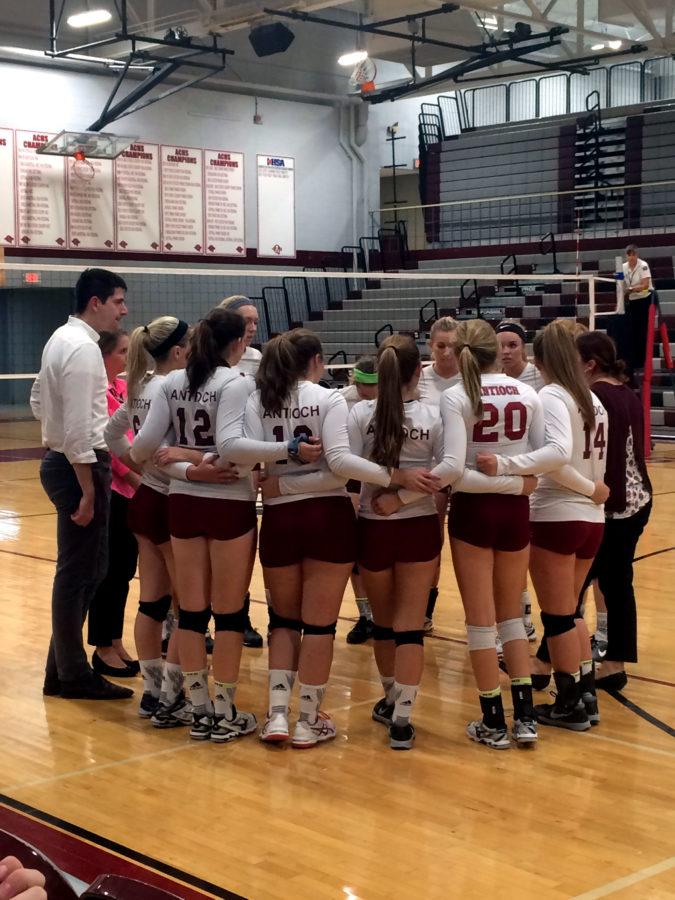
x=9 y=525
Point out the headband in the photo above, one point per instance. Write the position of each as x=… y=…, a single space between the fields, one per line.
x=237 y=304
x=515 y=328
x=364 y=377
x=174 y=338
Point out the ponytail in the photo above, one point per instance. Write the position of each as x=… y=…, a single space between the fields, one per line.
x=476 y=351
x=210 y=342
x=149 y=344
x=285 y=360
x=397 y=361
x=556 y=351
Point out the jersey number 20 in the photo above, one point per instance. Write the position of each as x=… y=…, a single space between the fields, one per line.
x=515 y=423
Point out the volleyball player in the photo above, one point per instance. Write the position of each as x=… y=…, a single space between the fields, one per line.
x=213 y=527
x=160 y=346
x=308 y=534
x=398 y=556
x=363 y=386
x=443 y=373
x=514 y=362
x=567 y=519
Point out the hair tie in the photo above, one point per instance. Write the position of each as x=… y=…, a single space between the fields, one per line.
x=145 y=329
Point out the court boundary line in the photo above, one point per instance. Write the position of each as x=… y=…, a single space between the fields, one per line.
x=642 y=713
x=653 y=553
x=142 y=859
x=619 y=883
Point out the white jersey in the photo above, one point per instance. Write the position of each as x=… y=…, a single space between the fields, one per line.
x=422 y=447
x=532 y=376
x=250 y=361
x=572 y=458
x=431 y=385
x=314 y=411
x=131 y=416
x=191 y=420
x=351 y=395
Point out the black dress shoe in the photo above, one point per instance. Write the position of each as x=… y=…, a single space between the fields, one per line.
x=102 y=668
x=133 y=665
x=95 y=687
x=613 y=683
x=51 y=686
x=252 y=637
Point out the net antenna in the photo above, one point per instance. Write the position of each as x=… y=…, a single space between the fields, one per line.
x=82 y=146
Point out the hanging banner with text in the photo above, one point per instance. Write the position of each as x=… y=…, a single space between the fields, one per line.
x=137 y=198
x=224 y=202
x=182 y=200
x=40 y=193
x=7 y=204
x=91 y=216
x=276 y=206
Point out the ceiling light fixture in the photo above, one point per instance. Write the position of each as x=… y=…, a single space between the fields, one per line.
x=353 y=58
x=615 y=45
x=598 y=47
x=89 y=18
x=490 y=23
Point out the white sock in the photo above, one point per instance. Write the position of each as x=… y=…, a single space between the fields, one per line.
x=172 y=683
x=281 y=683
x=388 y=685
x=405 y=698
x=198 y=687
x=223 y=701
x=151 y=670
x=526 y=607
x=601 y=626
x=311 y=696
x=364 y=608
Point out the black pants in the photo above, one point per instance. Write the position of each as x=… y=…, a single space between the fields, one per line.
x=629 y=332
x=106 y=613
x=613 y=568
x=81 y=563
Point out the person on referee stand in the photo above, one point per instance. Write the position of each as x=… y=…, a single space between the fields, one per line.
x=69 y=399
x=637 y=293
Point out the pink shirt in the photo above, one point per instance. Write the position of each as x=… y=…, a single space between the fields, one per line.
x=117 y=394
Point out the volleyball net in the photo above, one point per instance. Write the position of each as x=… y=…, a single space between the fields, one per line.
x=352 y=312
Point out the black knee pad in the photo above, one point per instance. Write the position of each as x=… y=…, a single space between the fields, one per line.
x=189 y=620
x=156 y=609
x=230 y=621
x=408 y=637
x=355 y=569
x=557 y=625
x=319 y=629
x=381 y=633
x=277 y=621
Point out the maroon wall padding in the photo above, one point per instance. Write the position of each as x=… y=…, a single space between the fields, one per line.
x=633 y=199
x=566 y=155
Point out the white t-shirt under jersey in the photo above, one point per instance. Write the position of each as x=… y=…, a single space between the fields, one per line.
x=532 y=376
x=192 y=421
x=431 y=385
x=314 y=411
x=250 y=361
x=351 y=395
x=572 y=458
x=422 y=447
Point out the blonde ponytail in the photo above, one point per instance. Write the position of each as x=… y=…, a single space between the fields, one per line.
x=397 y=361
x=476 y=350
x=144 y=344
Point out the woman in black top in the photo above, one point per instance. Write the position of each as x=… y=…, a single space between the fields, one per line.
x=629 y=505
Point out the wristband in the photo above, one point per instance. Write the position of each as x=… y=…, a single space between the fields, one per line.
x=294 y=447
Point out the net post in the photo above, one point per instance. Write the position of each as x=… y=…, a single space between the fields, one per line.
x=591 y=302
x=647 y=380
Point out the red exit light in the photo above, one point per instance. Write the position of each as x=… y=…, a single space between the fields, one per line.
x=32 y=278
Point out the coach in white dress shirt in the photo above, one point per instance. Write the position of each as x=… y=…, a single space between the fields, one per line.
x=69 y=399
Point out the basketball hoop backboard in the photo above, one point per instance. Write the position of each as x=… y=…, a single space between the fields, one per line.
x=87 y=144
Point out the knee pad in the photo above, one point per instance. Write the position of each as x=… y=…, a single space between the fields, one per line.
x=355 y=569
x=157 y=610
x=277 y=621
x=319 y=629
x=235 y=621
x=189 y=620
x=511 y=630
x=557 y=625
x=409 y=637
x=380 y=633
x=481 y=637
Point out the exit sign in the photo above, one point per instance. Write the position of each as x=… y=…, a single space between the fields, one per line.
x=32 y=278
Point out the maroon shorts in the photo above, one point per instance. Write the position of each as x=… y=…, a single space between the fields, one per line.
x=580 y=539
x=148 y=515
x=494 y=521
x=381 y=543
x=323 y=528
x=216 y=518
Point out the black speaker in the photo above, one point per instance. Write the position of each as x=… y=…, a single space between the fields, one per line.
x=272 y=38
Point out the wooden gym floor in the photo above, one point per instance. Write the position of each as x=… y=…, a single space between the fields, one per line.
x=583 y=816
